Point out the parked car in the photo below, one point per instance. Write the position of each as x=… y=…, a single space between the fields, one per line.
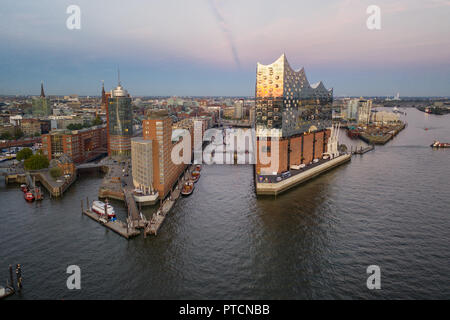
x=285 y=174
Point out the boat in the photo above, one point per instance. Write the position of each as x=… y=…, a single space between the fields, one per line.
x=5 y=292
x=195 y=175
x=29 y=196
x=143 y=198
x=437 y=144
x=100 y=206
x=187 y=189
x=24 y=188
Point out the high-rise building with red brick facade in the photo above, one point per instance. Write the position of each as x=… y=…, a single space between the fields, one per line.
x=158 y=129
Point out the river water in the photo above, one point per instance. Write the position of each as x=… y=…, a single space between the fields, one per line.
x=389 y=207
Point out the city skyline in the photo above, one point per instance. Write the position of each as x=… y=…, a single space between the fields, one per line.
x=210 y=48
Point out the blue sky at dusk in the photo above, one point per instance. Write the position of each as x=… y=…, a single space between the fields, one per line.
x=211 y=47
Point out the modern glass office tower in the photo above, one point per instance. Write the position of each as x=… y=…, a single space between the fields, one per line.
x=288 y=108
x=120 y=123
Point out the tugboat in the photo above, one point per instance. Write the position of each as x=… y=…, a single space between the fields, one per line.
x=195 y=175
x=187 y=189
x=100 y=206
x=437 y=144
x=29 y=196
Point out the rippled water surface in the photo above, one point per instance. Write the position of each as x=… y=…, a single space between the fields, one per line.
x=389 y=207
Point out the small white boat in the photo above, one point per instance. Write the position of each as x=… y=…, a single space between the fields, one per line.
x=100 y=206
x=4 y=292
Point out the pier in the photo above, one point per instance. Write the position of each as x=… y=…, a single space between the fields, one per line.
x=362 y=150
x=55 y=188
x=158 y=218
x=300 y=176
x=136 y=220
x=381 y=135
x=126 y=230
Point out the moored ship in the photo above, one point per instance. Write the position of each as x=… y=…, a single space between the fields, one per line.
x=437 y=144
x=195 y=175
x=103 y=208
x=187 y=189
x=29 y=196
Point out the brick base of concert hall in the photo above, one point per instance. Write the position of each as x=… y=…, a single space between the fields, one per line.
x=295 y=150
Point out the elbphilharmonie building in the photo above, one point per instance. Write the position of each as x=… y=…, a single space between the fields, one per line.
x=293 y=111
x=287 y=104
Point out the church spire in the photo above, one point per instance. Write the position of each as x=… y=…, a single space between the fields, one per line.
x=42 y=89
x=103 y=93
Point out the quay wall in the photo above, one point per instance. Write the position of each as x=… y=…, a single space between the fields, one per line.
x=280 y=187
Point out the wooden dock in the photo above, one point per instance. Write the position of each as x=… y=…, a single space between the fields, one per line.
x=363 y=150
x=125 y=230
x=158 y=218
x=135 y=220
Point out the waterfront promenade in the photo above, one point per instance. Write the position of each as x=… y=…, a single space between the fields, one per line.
x=299 y=176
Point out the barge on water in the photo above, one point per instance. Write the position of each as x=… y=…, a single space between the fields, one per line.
x=437 y=144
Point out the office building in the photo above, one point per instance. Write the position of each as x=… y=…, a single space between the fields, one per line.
x=79 y=145
x=142 y=164
x=156 y=148
x=239 y=109
x=359 y=110
x=30 y=127
x=120 y=123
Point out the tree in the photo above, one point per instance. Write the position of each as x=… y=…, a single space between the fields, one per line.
x=75 y=126
x=6 y=136
x=56 y=172
x=24 y=154
x=97 y=121
x=18 y=133
x=36 y=162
